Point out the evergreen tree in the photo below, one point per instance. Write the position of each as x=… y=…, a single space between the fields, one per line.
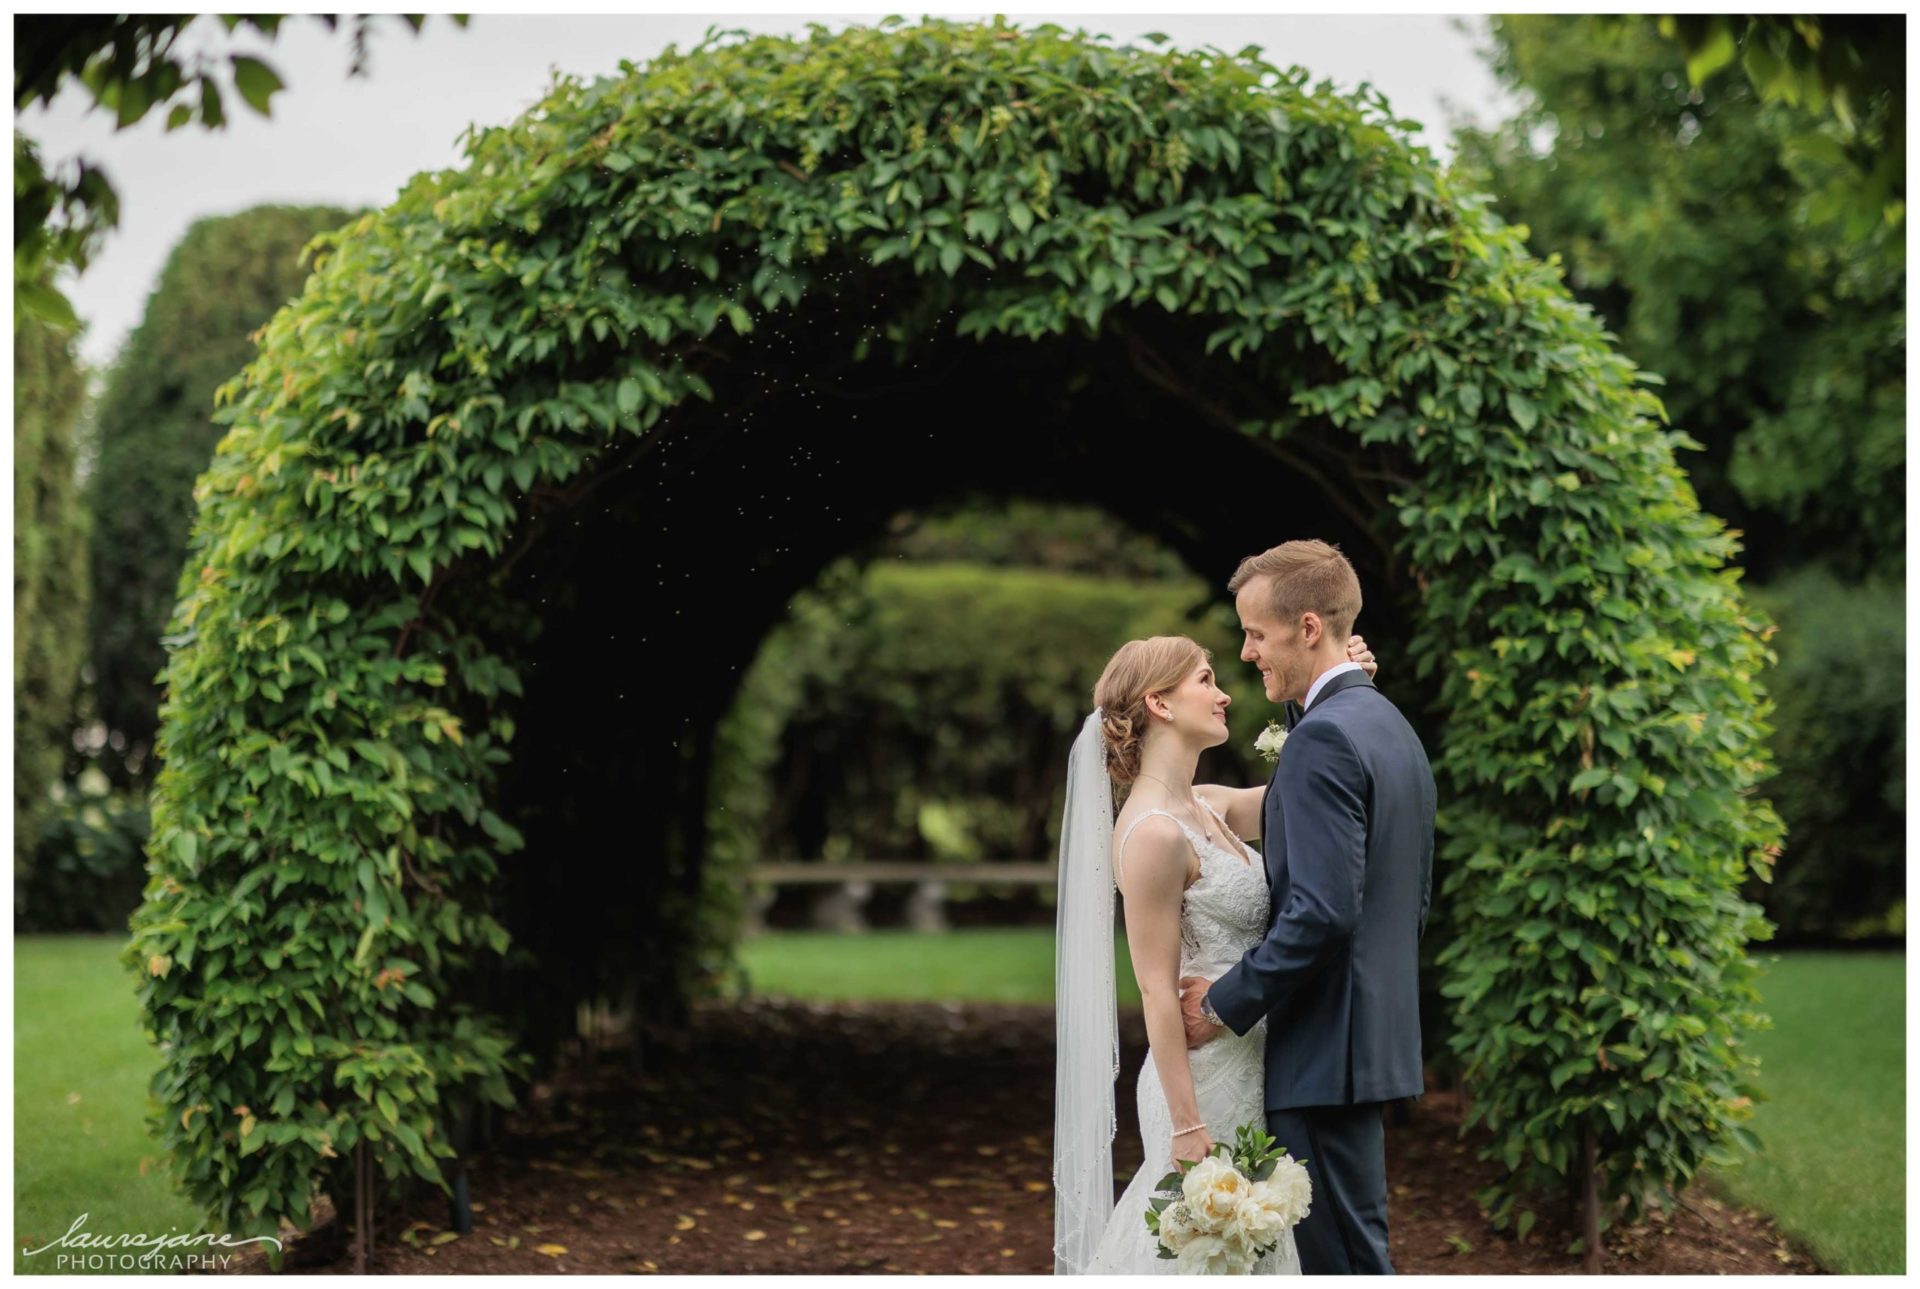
x=49 y=566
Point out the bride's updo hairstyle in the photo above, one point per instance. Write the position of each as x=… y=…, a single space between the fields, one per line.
x=1141 y=667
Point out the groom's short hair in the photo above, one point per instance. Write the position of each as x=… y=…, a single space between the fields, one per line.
x=1305 y=577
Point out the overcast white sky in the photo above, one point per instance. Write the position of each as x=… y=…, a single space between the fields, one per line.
x=357 y=141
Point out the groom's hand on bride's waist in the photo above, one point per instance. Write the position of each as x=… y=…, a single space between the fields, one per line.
x=1193 y=993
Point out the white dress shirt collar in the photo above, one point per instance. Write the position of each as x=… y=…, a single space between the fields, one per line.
x=1313 y=692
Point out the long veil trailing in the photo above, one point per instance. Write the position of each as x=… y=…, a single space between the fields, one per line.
x=1087 y=1059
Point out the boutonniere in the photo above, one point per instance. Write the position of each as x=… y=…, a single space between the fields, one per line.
x=1270 y=741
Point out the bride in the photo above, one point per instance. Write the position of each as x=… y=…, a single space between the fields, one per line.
x=1195 y=900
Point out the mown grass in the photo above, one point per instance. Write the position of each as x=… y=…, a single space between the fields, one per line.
x=80 y=1071
x=1833 y=1165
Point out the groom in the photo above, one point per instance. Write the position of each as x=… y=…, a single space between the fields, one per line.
x=1348 y=840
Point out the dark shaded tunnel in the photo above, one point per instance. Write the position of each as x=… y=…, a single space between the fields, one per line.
x=649 y=583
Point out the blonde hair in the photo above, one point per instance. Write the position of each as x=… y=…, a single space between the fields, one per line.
x=1139 y=668
x=1305 y=577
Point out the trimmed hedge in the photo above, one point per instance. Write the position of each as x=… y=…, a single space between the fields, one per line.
x=917 y=709
x=224 y=279
x=323 y=847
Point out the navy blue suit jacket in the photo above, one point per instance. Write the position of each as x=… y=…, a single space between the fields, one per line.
x=1347 y=835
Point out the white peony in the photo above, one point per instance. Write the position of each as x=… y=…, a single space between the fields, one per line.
x=1177 y=1226
x=1288 y=1193
x=1270 y=741
x=1257 y=1224
x=1210 y=1255
x=1213 y=1189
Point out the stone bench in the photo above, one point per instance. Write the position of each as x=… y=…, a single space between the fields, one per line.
x=846 y=888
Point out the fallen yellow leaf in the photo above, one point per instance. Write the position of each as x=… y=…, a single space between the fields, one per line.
x=755 y=1235
x=684 y=1223
x=551 y=1250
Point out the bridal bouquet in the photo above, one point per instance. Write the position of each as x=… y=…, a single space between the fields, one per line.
x=1222 y=1214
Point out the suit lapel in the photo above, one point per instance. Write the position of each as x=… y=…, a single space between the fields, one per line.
x=1273 y=844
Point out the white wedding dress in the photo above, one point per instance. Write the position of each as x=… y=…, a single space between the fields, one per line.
x=1222 y=915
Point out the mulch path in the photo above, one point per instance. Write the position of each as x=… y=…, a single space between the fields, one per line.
x=782 y=1137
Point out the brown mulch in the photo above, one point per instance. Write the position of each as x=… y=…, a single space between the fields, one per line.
x=784 y=1137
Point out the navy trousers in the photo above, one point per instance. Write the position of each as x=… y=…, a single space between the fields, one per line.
x=1345 y=1149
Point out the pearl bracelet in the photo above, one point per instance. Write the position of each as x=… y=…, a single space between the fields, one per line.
x=1184 y=1131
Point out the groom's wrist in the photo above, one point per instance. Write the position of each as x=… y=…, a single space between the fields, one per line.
x=1206 y=1009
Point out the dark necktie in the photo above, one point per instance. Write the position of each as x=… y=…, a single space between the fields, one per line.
x=1290 y=714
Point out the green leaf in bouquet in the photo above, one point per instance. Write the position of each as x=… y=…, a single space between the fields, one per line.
x=1265 y=1170
x=1171 y=1182
x=1160 y=1203
x=1166 y=1254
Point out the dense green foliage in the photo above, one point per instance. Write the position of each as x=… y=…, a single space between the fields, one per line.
x=1841 y=738
x=87 y=865
x=339 y=702
x=1690 y=218
x=1851 y=67
x=128 y=64
x=1682 y=217
x=49 y=569
x=156 y=433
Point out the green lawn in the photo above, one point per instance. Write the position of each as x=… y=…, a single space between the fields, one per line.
x=1834 y=1127
x=1834 y=1171
x=1001 y=966
x=80 y=1071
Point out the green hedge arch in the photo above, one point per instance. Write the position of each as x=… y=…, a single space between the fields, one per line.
x=351 y=640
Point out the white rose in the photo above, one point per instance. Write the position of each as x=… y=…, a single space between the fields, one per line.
x=1270 y=741
x=1209 y=1255
x=1288 y=1193
x=1213 y=1189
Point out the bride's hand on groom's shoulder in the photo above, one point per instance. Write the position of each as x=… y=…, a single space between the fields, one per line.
x=1200 y=1030
x=1357 y=651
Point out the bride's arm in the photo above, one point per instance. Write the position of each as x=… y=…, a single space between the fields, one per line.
x=1153 y=878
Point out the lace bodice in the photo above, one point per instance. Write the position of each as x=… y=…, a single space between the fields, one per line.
x=1226 y=911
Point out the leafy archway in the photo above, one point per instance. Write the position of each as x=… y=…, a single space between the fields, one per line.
x=517 y=454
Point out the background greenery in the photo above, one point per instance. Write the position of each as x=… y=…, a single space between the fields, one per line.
x=914 y=704
x=1710 y=226
x=49 y=570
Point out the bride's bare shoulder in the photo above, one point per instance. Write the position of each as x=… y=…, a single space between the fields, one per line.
x=1156 y=844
